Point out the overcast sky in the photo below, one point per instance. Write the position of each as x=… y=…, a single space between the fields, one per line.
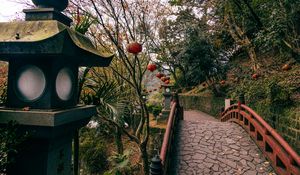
x=9 y=10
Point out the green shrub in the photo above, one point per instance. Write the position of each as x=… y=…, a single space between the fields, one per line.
x=93 y=152
x=120 y=164
x=155 y=109
x=269 y=97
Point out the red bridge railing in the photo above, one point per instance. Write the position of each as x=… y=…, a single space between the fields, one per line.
x=282 y=157
x=175 y=115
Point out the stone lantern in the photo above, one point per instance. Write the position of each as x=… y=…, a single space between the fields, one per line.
x=44 y=55
x=144 y=96
x=167 y=93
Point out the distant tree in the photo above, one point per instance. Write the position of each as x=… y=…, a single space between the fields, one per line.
x=198 y=59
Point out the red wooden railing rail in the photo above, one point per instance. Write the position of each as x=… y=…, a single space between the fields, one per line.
x=175 y=115
x=168 y=135
x=283 y=158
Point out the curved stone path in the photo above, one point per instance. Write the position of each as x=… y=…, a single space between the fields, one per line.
x=206 y=146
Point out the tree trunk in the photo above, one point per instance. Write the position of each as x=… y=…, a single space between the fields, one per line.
x=144 y=157
x=252 y=56
x=242 y=39
x=76 y=135
x=118 y=140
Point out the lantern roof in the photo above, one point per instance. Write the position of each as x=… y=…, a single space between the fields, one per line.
x=49 y=38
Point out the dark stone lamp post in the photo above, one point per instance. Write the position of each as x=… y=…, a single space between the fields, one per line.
x=44 y=55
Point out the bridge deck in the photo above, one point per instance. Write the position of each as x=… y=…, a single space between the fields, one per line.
x=207 y=146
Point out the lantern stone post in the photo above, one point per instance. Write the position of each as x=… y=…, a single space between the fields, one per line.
x=166 y=104
x=44 y=55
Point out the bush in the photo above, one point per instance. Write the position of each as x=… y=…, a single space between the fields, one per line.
x=120 y=164
x=155 y=109
x=269 y=96
x=93 y=152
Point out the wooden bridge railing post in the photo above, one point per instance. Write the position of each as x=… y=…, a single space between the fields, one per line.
x=241 y=101
x=242 y=98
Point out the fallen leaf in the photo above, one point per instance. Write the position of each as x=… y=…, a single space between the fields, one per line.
x=27 y=108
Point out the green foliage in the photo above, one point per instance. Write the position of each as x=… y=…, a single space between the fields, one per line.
x=83 y=22
x=155 y=99
x=275 y=99
x=206 y=103
x=93 y=151
x=272 y=25
x=154 y=109
x=199 y=58
x=279 y=21
x=120 y=164
x=10 y=139
x=279 y=97
x=108 y=96
x=175 y=2
x=269 y=97
x=186 y=48
x=268 y=89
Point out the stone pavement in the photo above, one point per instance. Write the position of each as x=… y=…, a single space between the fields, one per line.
x=206 y=146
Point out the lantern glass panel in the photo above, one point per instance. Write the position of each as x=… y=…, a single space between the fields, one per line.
x=31 y=83
x=167 y=89
x=64 y=84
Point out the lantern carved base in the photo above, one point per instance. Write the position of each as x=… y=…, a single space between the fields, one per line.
x=47 y=149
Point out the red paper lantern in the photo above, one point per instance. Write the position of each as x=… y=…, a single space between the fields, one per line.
x=159 y=75
x=286 y=67
x=255 y=76
x=167 y=81
x=151 y=67
x=134 y=48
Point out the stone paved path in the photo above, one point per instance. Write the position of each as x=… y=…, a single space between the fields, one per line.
x=207 y=146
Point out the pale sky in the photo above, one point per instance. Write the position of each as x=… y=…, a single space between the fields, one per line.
x=10 y=10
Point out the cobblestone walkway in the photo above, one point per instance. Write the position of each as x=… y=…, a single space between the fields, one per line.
x=206 y=146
